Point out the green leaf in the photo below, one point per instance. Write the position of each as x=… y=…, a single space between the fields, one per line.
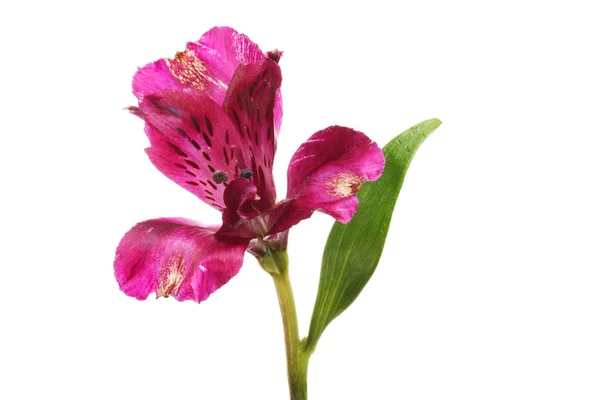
x=353 y=250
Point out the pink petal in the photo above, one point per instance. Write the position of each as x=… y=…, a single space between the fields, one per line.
x=325 y=174
x=206 y=65
x=250 y=104
x=278 y=113
x=176 y=257
x=239 y=197
x=154 y=77
x=221 y=50
x=192 y=139
x=284 y=215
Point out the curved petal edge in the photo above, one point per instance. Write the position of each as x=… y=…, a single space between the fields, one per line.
x=176 y=257
x=325 y=173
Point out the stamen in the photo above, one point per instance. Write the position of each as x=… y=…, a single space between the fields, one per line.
x=220 y=176
x=246 y=173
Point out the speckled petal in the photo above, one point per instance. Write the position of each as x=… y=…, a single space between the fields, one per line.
x=193 y=142
x=206 y=65
x=221 y=51
x=250 y=104
x=176 y=257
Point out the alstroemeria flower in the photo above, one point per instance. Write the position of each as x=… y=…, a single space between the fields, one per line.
x=212 y=116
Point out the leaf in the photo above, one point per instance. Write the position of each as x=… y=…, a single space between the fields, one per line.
x=353 y=250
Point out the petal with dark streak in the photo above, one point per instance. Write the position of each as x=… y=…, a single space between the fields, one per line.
x=250 y=104
x=191 y=139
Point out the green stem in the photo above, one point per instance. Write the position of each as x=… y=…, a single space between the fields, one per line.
x=297 y=359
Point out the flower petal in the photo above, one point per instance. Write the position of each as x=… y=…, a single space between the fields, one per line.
x=193 y=142
x=239 y=198
x=221 y=50
x=324 y=174
x=176 y=257
x=153 y=78
x=206 y=65
x=250 y=104
x=278 y=113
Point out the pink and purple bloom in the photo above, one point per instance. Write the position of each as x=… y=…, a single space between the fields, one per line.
x=212 y=115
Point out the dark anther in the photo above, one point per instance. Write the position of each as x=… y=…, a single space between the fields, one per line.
x=246 y=173
x=220 y=176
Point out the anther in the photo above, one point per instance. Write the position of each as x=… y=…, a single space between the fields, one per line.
x=220 y=176
x=246 y=173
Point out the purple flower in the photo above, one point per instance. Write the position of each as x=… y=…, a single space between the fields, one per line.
x=212 y=115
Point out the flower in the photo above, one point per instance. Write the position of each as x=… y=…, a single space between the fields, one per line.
x=212 y=115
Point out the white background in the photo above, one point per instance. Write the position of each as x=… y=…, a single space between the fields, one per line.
x=489 y=284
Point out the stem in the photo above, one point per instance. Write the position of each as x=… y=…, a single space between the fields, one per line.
x=297 y=359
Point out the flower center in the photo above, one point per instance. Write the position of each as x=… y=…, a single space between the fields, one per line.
x=343 y=185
